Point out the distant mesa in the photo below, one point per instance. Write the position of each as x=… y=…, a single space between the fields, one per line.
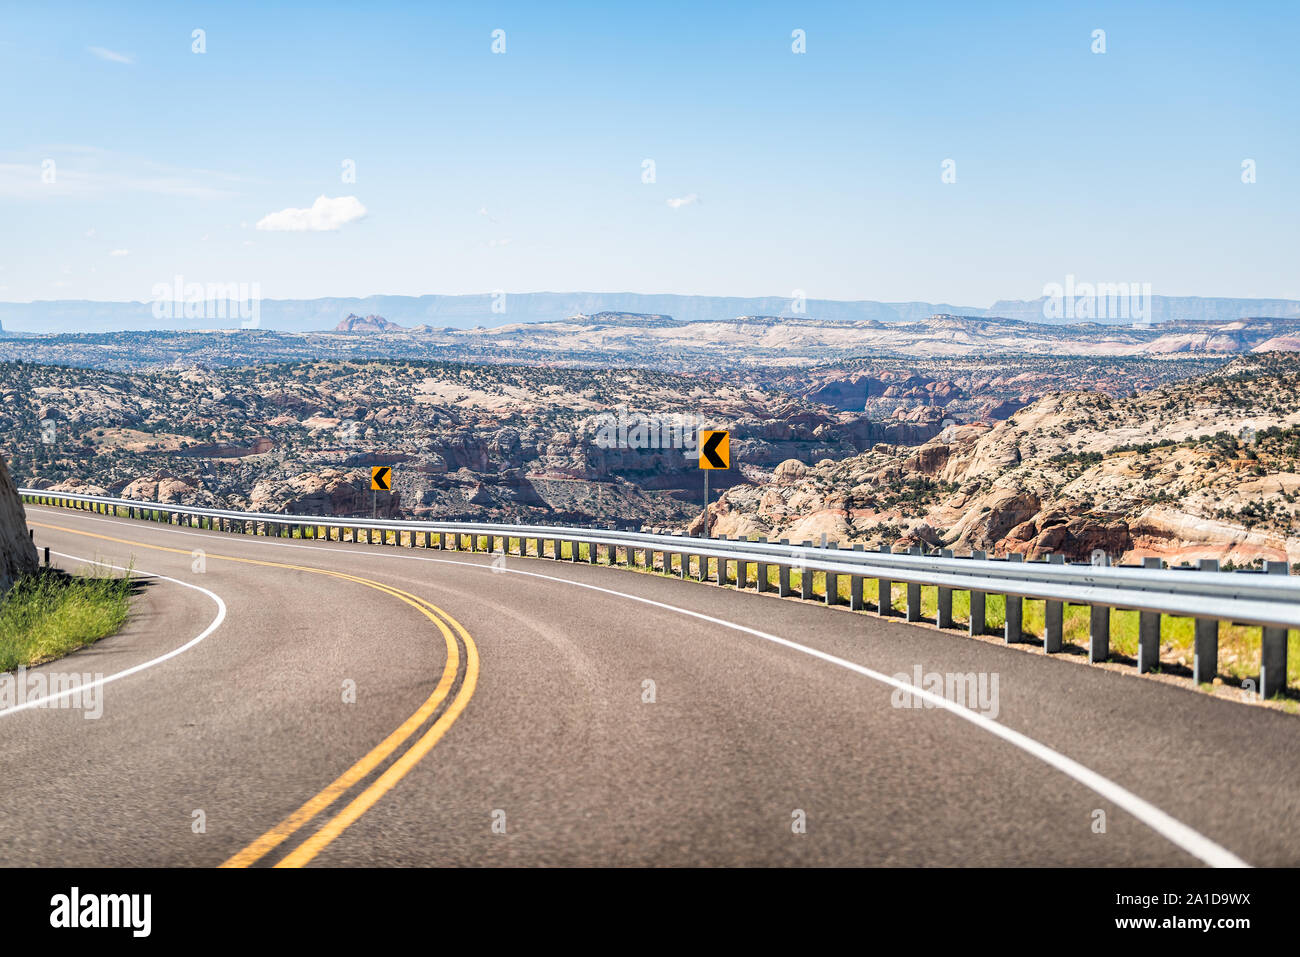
x=622 y=319
x=367 y=324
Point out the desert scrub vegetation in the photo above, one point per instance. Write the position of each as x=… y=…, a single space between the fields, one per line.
x=50 y=614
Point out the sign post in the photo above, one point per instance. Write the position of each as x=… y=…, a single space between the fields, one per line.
x=381 y=480
x=715 y=453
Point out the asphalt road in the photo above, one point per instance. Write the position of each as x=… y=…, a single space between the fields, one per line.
x=508 y=724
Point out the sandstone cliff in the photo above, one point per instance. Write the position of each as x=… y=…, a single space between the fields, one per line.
x=17 y=553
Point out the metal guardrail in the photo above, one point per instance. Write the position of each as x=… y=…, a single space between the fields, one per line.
x=1270 y=599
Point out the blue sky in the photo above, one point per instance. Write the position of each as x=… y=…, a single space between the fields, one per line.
x=522 y=171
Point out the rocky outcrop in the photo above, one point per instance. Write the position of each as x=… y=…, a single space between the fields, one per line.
x=75 y=485
x=167 y=489
x=1178 y=536
x=367 y=324
x=17 y=553
x=989 y=520
x=854 y=392
x=329 y=492
x=1057 y=533
x=220 y=450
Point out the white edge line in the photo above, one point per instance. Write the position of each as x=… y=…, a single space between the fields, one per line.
x=134 y=669
x=1167 y=826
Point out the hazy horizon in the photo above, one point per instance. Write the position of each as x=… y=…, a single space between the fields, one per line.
x=846 y=153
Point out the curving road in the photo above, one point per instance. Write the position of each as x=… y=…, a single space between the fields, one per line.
x=500 y=716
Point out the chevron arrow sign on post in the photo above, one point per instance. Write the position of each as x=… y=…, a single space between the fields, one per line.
x=715 y=450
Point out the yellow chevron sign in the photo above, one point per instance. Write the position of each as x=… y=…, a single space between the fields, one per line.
x=715 y=450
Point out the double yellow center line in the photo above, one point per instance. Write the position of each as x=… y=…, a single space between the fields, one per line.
x=451 y=629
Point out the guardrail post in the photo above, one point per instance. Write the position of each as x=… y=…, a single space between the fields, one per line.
x=1148 y=630
x=1272 y=649
x=742 y=575
x=943 y=613
x=720 y=570
x=1205 y=656
x=832 y=579
x=977 y=620
x=914 y=592
x=783 y=588
x=856 y=598
x=885 y=589
x=763 y=573
x=1054 y=617
x=1012 y=627
x=1099 y=627
x=806 y=580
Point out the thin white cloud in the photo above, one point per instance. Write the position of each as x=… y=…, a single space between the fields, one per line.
x=324 y=215
x=91 y=174
x=499 y=242
x=689 y=200
x=112 y=56
x=120 y=252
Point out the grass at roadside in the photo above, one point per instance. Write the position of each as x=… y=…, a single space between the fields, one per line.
x=1239 y=645
x=50 y=614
